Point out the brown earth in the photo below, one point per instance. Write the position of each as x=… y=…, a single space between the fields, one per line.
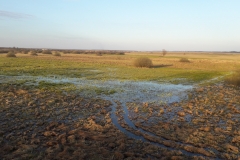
x=40 y=124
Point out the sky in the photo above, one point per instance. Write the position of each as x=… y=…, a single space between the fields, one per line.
x=144 y=25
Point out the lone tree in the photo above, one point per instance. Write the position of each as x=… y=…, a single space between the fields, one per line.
x=164 y=52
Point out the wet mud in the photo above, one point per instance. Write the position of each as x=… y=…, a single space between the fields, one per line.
x=143 y=120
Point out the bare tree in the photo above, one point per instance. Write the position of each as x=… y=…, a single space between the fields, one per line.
x=164 y=52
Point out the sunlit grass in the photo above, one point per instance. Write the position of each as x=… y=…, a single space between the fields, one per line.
x=234 y=79
x=110 y=67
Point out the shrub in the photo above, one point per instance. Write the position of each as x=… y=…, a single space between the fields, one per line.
x=76 y=52
x=25 y=52
x=234 y=79
x=56 y=54
x=99 y=54
x=143 y=62
x=3 y=51
x=10 y=54
x=120 y=53
x=15 y=51
x=46 y=52
x=33 y=53
x=184 y=60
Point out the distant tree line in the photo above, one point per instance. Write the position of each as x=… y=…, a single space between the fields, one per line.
x=93 y=52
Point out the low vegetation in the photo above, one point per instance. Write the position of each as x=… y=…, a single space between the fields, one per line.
x=25 y=52
x=234 y=79
x=95 y=52
x=46 y=52
x=3 y=51
x=33 y=53
x=99 y=54
x=56 y=54
x=166 y=69
x=143 y=62
x=184 y=60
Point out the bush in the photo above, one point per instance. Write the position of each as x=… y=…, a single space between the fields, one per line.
x=33 y=53
x=3 y=51
x=46 y=52
x=143 y=62
x=76 y=52
x=184 y=60
x=120 y=53
x=56 y=54
x=10 y=54
x=65 y=52
x=25 y=52
x=99 y=54
x=234 y=79
x=15 y=51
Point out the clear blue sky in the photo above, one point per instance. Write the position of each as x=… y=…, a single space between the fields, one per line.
x=207 y=25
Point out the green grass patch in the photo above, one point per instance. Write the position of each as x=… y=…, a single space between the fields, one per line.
x=100 y=91
x=35 y=66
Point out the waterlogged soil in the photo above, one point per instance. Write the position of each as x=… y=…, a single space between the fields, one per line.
x=207 y=123
x=141 y=120
x=37 y=124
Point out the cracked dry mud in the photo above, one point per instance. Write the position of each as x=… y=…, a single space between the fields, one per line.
x=40 y=124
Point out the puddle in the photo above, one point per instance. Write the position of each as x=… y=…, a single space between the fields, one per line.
x=126 y=91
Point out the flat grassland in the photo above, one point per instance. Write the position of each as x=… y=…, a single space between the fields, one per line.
x=86 y=106
x=202 y=66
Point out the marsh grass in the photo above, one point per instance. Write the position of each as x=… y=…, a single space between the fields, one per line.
x=234 y=79
x=143 y=62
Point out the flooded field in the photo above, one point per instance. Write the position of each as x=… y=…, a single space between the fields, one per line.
x=95 y=119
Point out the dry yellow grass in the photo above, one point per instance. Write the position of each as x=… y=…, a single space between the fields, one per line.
x=202 y=61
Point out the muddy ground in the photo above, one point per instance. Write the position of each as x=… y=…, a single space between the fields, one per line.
x=42 y=124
